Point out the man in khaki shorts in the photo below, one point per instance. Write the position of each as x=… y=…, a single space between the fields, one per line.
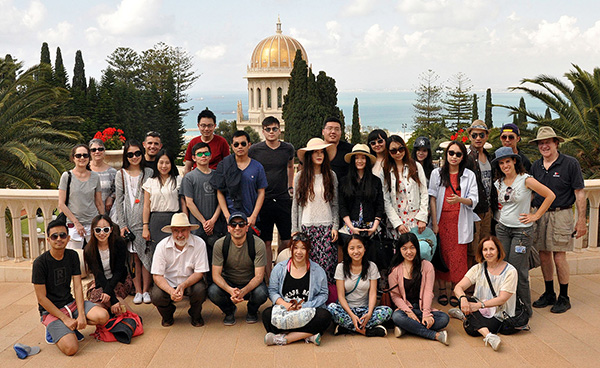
x=554 y=233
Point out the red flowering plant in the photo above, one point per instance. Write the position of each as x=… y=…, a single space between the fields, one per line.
x=461 y=136
x=112 y=138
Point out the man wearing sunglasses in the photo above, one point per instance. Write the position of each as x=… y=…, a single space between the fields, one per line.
x=52 y=274
x=207 y=122
x=509 y=136
x=238 y=271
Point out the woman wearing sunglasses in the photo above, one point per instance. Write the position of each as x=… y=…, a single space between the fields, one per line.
x=106 y=174
x=515 y=222
x=105 y=256
x=377 y=142
x=80 y=197
x=453 y=193
x=130 y=207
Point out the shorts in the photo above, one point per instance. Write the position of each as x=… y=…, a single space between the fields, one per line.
x=56 y=327
x=553 y=232
x=276 y=212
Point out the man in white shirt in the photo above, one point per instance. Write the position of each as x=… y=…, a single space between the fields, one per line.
x=178 y=268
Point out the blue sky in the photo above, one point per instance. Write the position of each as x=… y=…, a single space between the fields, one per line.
x=364 y=44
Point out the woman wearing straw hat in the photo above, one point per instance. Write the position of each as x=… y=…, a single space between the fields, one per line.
x=315 y=203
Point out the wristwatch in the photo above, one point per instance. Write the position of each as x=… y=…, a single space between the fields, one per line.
x=482 y=305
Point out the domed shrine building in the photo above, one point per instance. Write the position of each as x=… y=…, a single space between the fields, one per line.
x=268 y=77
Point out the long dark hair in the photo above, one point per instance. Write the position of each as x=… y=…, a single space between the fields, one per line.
x=376 y=134
x=173 y=173
x=416 y=263
x=427 y=163
x=445 y=170
x=90 y=253
x=348 y=261
x=389 y=164
x=499 y=174
x=353 y=186
x=306 y=191
x=133 y=143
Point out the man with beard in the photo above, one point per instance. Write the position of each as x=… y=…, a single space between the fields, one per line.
x=152 y=144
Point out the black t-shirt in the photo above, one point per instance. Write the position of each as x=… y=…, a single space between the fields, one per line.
x=296 y=288
x=152 y=164
x=412 y=292
x=56 y=275
x=338 y=165
x=275 y=163
x=563 y=177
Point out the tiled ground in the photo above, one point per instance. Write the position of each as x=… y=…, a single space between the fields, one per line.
x=567 y=340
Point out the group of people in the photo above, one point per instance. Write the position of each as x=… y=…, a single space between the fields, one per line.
x=208 y=232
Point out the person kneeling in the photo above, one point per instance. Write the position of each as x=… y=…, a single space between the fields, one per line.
x=356 y=280
x=52 y=274
x=412 y=281
x=298 y=290
x=178 y=268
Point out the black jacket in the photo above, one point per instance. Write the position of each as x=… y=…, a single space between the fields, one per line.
x=350 y=205
x=118 y=267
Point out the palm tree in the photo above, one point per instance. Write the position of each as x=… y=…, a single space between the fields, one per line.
x=576 y=104
x=33 y=154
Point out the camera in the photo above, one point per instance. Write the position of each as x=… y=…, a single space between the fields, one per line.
x=128 y=236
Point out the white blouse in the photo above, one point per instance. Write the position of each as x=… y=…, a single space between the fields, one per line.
x=163 y=198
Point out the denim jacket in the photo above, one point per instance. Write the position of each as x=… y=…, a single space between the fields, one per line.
x=318 y=290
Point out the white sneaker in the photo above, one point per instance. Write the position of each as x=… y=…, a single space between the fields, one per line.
x=398 y=331
x=137 y=299
x=273 y=339
x=443 y=337
x=493 y=340
x=456 y=313
x=146 y=297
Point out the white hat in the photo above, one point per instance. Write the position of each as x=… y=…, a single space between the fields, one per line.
x=179 y=220
x=315 y=144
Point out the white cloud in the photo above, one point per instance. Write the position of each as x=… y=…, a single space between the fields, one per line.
x=380 y=43
x=34 y=14
x=446 y=13
x=135 y=17
x=16 y=20
x=359 y=7
x=562 y=33
x=59 y=34
x=213 y=52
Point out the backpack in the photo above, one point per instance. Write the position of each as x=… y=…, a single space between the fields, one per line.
x=251 y=248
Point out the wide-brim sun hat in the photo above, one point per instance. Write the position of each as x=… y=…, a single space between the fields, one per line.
x=179 y=220
x=315 y=144
x=360 y=149
x=505 y=152
x=478 y=124
x=546 y=132
x=427 y=242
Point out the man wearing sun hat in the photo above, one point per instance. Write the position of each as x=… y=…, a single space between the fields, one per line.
x=178 y=268
x=554 y=232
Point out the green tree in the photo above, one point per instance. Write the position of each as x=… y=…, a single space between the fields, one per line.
x=356 y=137
x=60 y=77
x=436 y=132
x=171 y=126
x=226 y=129
x=475 y=112
x=254 y=136
x=488 y=108
x=458 y=102
x=79 y=82
x=125 y=63
x=427 y=107
x=548 y=115
x=45 y=74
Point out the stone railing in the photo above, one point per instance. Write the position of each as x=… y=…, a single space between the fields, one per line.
x=27 y=202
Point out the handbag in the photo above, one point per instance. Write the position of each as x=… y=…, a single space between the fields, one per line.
x=511 y=324
x=120 y=328
x=284 y=319
x=386 y=298
x=381 y=251
x=438 y=260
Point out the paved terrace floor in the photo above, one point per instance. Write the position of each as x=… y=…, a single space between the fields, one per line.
x=567 y=340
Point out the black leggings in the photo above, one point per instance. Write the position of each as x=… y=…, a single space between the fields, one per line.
x=318 y=324
x=476 y=321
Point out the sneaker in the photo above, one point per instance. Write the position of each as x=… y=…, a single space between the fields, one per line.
x=146 y=298
x=167 y=322
x=492 y=340
x=443 y=337
x=339 y=330
x=456 y=313
x=198 y=322
x=229 y=319
x=49 y=340
x=398 y=331
x=138 y=298
x=377 y=331
x=273 y=339
x=315 y=339
x=251 y=318
x=562 y=305
x=79 y=335
x=545 y=300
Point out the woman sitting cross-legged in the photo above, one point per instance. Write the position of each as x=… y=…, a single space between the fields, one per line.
x=412 y=279
x=484 y=313
x=297 y=286
x=356 y=279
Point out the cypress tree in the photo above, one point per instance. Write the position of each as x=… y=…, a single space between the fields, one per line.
x=355 y=123
x=548 y=115
x=343 y=120
x=79 y=81
x=44 y=74
x=60 y=77
x=475 y=113
x=488 y=108
x=172 y=125
x=295 y=102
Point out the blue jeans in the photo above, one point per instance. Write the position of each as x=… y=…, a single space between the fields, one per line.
x=403 y=321
x=222 y=299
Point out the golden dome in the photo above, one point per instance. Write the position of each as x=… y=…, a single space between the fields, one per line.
x=277 y=51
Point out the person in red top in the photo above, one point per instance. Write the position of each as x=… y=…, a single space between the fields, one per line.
x=219 y=148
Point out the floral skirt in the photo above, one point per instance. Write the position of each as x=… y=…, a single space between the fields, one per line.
x=323 y=252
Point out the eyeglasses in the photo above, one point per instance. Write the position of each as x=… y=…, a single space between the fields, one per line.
x=99 y=230
x=153 y=133
x=55 y=236
x=237 y=144
x=136 y=154
x=269 y=130
x=206 y=126
x=507 y=194
x=201 y=154
x=235 y=224
x=480 y=135
x=335 y=129
x=455 y=153
x=80 y=155
x=301 y=237
x=393 y=151
x=99 y=149
x=376 y=141
x=508 y=137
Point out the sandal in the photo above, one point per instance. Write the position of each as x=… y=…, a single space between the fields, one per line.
x=454 y=301
x=443 y=298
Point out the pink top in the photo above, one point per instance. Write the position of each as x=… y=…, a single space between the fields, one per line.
x=398 y=294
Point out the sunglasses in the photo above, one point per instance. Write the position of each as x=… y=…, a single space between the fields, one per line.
x=507 y=194
x=99 y=149
x=132 y=154
x=269 y=130
x=80 y=155
x=393 y=151
x=201 y=154
x=237 y=144
x=376 y=141
x=153 y=133
x=454 y=153
x=55 y=236
x=508 y=137
x=235 y=224
x=480 y=135
x=99 y=230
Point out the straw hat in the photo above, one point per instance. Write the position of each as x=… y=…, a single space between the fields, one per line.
x=179 y=220
x=360 y=149
x=478 y=124
x=505 y=152
x=546 y=132
x=315 y=144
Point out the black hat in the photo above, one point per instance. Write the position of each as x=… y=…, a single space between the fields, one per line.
x=422 y=142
